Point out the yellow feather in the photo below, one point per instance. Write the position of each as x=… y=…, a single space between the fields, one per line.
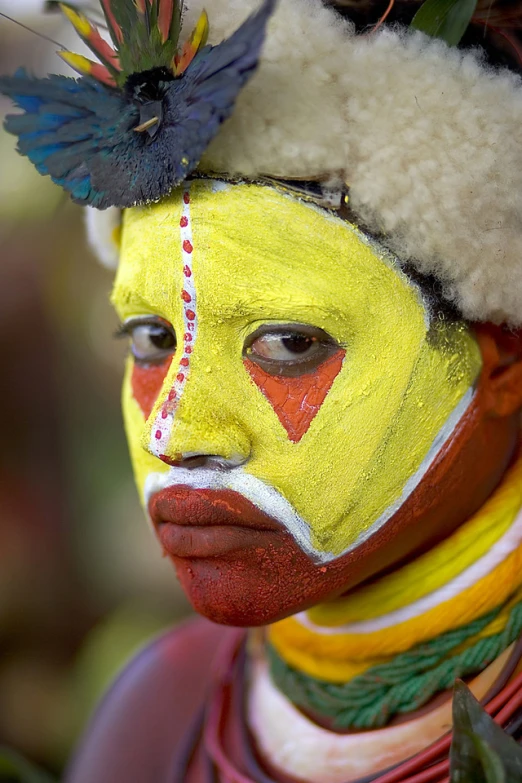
x=199 y=37
x=80 y=22
x=78 y=62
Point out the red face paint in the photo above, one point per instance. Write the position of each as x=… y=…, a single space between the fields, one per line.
x=296 y=401
x=147 y=382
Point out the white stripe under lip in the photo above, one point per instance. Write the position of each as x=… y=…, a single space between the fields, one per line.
x=262 y=495
x=269 y=500
x=162 y=426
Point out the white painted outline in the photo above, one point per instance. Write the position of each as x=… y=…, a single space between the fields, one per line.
x=161 y=431
x=269 y=500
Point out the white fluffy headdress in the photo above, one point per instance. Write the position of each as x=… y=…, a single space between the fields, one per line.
x=428 y=140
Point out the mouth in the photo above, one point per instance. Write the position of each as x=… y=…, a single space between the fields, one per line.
x=204 y=523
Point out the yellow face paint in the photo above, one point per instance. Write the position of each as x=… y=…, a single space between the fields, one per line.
x=258 y=257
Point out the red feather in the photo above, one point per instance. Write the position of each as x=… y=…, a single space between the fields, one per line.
x=165 y=13
x=104 y=51
x=103 y=75
x=112 y=20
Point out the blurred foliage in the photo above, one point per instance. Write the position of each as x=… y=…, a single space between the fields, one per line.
x=82 y=581
x=15 y=769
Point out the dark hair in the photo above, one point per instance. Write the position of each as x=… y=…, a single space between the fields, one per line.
x=441 y=308
x=496 y=25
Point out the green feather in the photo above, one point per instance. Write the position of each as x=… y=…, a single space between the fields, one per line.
x=177 y=16
x=126 y=15
x=142 y=47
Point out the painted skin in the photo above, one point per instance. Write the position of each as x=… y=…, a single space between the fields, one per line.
x=224 y=426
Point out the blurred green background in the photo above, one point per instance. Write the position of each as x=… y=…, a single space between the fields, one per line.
x=82 y=580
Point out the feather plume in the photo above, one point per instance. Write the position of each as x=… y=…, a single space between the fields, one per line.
x=91 y=36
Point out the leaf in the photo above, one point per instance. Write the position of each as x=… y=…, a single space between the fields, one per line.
x=492 y=766
x=445 y=19
x=481 y=751
x=15 y=769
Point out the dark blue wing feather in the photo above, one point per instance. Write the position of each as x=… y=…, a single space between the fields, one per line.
x=83 y=134
x=66 y=123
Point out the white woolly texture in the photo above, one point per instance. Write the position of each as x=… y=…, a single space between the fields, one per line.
x=103 y=234
x=428 y=138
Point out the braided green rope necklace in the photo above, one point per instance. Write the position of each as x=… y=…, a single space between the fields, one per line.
x=402 y=685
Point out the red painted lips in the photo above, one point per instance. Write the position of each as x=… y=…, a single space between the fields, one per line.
x=208 y=523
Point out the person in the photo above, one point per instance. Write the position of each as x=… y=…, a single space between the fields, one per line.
x=323 y=297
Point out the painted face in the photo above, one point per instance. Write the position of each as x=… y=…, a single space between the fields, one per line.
x=287 y=382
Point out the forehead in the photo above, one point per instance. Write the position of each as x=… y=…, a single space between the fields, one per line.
x=255 y=250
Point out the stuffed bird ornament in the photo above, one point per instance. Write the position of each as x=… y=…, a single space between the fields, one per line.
x=137 y=121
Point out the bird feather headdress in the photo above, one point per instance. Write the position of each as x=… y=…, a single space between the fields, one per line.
x=138 y=120
x=422 y=136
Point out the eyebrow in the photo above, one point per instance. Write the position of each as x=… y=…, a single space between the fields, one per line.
x=259 y=308
x=255 y=307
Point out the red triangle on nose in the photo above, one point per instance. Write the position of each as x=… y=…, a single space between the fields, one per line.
x=296 y=401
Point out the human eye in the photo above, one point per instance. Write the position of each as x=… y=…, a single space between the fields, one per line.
x=291 y=349
x=152 y=339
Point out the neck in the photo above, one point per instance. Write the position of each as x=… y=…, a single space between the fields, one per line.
x=448 y=613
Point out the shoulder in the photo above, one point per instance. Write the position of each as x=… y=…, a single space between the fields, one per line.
x=141 y=721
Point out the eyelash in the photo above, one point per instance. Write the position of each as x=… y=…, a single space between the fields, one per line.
x=125 y=329
x=121 y=332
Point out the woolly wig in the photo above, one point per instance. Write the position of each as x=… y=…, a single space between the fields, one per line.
x=426 y=138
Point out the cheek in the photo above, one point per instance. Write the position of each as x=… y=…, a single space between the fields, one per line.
x=296 y=401
x=146 y=384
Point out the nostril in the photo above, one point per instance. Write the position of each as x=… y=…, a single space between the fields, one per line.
x=197 y=461
x=193 y=461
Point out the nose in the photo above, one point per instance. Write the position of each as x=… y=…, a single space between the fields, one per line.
x=205 y=429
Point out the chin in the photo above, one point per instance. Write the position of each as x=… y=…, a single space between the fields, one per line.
x=251 y=589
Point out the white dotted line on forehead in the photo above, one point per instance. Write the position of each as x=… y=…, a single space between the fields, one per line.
x=162 y=427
